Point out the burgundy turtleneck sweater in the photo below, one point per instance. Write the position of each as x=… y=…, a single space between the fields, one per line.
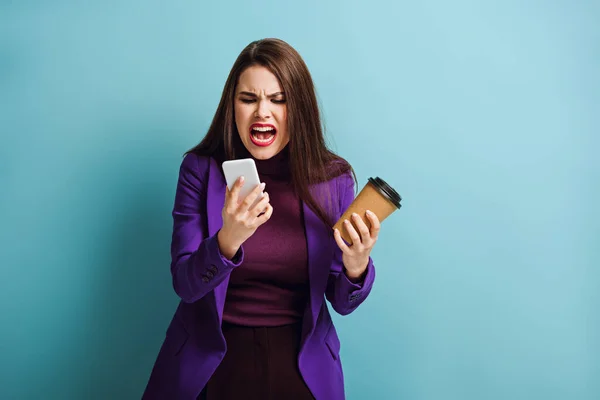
x=270 y=288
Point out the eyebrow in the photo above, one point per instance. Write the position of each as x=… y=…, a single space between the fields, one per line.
x=269 y=96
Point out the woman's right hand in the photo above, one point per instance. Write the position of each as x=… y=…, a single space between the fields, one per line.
x=239 y=220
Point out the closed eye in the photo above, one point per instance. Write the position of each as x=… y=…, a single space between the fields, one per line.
x=249 y=101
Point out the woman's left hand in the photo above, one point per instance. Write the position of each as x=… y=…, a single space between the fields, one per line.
x=356 y=256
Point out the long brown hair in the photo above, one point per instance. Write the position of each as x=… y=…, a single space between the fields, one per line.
x=310 y=159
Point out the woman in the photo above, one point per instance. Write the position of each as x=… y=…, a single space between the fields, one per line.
x=253 y=322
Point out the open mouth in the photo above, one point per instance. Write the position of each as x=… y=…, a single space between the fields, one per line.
x=262 y=134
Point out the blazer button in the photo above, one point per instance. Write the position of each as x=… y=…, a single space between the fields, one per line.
x=210 y=274
x=205 y=279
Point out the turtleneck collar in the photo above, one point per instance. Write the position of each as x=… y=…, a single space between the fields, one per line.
x=277 y=166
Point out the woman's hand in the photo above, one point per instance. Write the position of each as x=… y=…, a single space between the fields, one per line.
x=239 y=220
x=356 y=256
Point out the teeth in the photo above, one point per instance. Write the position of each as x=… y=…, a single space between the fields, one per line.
x=262 y=129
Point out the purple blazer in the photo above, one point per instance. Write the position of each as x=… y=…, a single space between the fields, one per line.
x=194 y=344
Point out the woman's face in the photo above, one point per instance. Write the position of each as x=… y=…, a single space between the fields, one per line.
x=260 y=113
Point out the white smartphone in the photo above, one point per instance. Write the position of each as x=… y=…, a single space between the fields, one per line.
x=246 y=167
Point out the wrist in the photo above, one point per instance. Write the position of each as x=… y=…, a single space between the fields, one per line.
x=356 y=275
x=226 y=247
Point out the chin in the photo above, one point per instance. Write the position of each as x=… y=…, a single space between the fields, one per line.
x=264 y=153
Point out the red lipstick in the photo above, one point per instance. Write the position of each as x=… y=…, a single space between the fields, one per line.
x=263 y=130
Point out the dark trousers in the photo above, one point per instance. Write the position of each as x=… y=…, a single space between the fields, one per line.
x=260 y=363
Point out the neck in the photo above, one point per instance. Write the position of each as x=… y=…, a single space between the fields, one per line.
x=276 y=166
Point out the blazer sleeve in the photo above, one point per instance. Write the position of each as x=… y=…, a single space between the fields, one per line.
x=344 y=295
x=197 y=265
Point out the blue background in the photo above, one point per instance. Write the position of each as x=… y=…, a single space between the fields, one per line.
x=483 y=115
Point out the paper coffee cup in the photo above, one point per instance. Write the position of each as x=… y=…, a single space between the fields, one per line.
x=377 y=196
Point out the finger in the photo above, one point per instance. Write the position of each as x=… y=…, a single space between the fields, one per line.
x=352 y=233
x=261 y=206
x=375 y=224
x=228 y=201
x=235 y=190
x=266 y=216
x=362 y=228
x=340 y=242
x=251 y=197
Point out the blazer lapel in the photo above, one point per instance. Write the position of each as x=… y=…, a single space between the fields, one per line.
x=320 y=254
x=215 y=198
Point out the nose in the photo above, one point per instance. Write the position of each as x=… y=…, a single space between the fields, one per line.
x=262 y=110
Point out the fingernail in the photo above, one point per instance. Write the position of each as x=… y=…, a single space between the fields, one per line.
x=369 y=212
x=241 y=179
x=355 y=215
x=262 y=185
